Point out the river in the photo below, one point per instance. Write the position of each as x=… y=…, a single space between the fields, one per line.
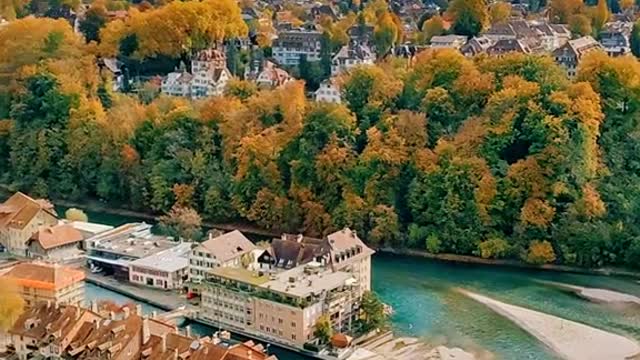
x=421 y=293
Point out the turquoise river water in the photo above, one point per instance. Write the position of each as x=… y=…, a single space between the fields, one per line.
x=422 y=294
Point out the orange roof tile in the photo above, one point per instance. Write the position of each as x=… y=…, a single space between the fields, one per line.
x=44 y=276
x=20 y=209
x=58 y=235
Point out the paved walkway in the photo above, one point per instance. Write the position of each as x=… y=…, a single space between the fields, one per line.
x=569 y=339
x=168 y=300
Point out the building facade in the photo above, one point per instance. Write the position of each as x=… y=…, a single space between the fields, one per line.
x=39 y=282
x=351 y=56
x=57 y=243
x=569 y=55
x=280 y=296
x=20 y=217
x=292 y=45
x=167 y=269
x=328 y=92
x=209 y=76
x=226 y=250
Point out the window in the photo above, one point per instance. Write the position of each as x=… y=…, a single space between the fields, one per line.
x=280 y=321
x=293 y=336
x=293 y=324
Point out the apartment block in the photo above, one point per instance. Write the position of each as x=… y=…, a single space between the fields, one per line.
x=291 y=45
x=280 y=295
x=20 y=217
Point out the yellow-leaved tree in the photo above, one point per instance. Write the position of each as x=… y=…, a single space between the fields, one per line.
x=173 y=29
x=11 y=304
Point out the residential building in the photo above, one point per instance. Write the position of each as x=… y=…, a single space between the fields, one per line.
x=292 y=45
x=281 y=294
x=88 y=229
x=114 y=68
x=476 y=45
x=208 y=77
x=58 y=243
x=569 y=55
x=70 y=332
x=20 y=217
x=48 y=282
x=328 y=92
x=113 y=251
x=350 y=56
x=615 y=38
x=271 y=76
x=539 y=36
x=167 y=269
x=177 y=83
x=505 y=46
x=361 y=34
x=226 y=250
x=448 y=41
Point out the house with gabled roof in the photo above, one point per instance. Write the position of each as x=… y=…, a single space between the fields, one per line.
x=20 y=217
x=59 y=242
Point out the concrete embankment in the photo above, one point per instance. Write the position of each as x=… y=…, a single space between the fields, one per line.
x=569 y=339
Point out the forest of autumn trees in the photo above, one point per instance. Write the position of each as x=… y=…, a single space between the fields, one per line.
x=493 y=157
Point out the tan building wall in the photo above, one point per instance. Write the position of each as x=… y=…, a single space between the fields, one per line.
x=70 y=295
x=15 y=240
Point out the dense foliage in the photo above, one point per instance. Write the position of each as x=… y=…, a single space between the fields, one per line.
x=494 y=157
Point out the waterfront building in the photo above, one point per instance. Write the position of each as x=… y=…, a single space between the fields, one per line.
x=53 y=283
x=20 y=217
x=167 y=269
x=71 y=332
x=226 y=250
x=114 y=250
x=56 y=243
x=292 y=45
x=282 y=294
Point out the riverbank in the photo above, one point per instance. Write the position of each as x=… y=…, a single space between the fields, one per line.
x=98 y=207
x=465 y=259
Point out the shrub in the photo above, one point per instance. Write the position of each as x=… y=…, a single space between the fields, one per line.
x=433 y=244
x=540 y=252
x=494 y=248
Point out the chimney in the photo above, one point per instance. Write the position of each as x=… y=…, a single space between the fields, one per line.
x=163 y=343
x=126 y=311
x=175 y=354
x=139 y=309
x=154 y=314
x=94 y=306
x=78 y=311
x=146 y=333
x=112 y=315
x=188 y=330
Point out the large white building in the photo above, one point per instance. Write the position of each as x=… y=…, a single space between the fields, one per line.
x=167 y=269
x=222 y=251
x=328 y=92
x=350 y=56
x=292 y=45
x=208 y=77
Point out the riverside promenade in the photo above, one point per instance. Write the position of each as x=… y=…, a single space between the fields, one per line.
x=569 y=339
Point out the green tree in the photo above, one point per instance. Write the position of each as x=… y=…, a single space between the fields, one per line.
x=372 y=313
x=580 y=25
x=385 y=34
x=323 y=330
x=95 y=19
x=635 y=39
x=470 y=16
